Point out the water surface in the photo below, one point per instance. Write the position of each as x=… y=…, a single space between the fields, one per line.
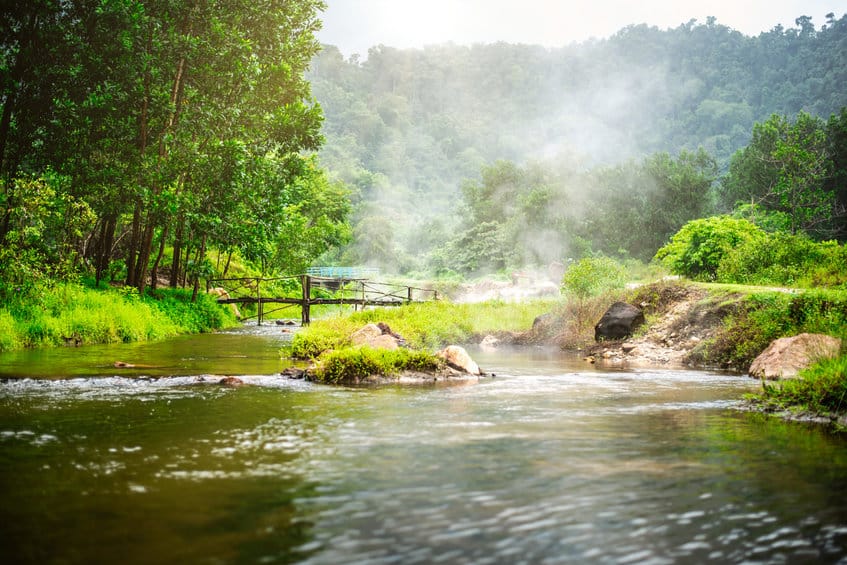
x=551 y=461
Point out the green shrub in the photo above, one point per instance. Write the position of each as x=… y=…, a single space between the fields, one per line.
x=9 y=338
x=356 y=364
x=65 y=313
x=320 y=336
x=202 y=315
x=786 y=260
x=697 y=249
x=593 y=276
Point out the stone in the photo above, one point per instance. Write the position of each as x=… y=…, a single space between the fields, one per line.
x=786 y=356
x=384 y=341
x=489 y=342
x=619 y=321
x=458 y=358
x=231 y=381
x=378 y=336
x=365 y=334
x=222 y=293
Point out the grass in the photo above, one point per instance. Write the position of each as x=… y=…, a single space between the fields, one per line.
x=425 y=325
x=71 y=314
x=821 y=388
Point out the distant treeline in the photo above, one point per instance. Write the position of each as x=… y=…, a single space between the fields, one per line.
x=406 y=128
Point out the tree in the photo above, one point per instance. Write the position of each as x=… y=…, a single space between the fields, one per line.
x=787 y=169
x=696 y=250
x=178 y=123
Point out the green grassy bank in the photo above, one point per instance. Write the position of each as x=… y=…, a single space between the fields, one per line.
x=426 y=325
x=71 y=314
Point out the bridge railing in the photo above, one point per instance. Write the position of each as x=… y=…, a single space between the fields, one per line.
x=355 y=292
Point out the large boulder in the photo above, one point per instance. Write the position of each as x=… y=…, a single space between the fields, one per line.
x=786 y=356
x=458 y=358
x=619 y=322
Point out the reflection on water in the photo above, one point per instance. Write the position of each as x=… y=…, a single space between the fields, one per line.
x=235 y=352
x=551 y=461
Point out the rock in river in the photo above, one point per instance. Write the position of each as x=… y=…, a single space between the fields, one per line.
x=458 y=358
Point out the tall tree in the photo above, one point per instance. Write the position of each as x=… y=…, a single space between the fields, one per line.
x=787 y=169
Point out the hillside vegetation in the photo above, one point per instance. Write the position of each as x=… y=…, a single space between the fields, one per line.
x=604 y=146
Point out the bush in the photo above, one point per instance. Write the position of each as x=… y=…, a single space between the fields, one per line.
x=9 y=338
x=66 y=313
x=696 y=250
x=786 y=260
x=356 y=364
x=593 y=276
x=320 y=336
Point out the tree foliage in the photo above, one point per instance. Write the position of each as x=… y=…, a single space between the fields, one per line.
x=592 y=276
x=696 y=250
x=425 y=120
x=179 y=124
x=787 y=169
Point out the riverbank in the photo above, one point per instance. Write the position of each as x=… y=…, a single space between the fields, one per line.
x=707 y=326
x=67 y=314
x=694 y=325
x=688 y=325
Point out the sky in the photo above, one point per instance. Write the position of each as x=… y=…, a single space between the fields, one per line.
x=356 y=25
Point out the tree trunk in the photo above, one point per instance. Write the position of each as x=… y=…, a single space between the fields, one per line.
x=134 y=241
x=176 y=264
x=226 y=267
x=142 y=268
x=154 y=271
x=201 y=256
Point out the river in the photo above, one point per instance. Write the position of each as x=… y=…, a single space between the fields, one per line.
x=550 y=461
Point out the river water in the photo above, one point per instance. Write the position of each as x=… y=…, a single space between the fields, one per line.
x=550 y=461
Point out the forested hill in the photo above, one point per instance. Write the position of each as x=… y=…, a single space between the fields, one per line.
x=408 y=125
x=640 y=91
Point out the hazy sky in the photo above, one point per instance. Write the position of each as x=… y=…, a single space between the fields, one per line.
x=356 y=25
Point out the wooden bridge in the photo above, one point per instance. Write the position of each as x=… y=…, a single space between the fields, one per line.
x=356 y=292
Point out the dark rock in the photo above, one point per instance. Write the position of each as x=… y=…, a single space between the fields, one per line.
x=619 y=321
x=294 y=373
x=230 y=381
x=542 y=320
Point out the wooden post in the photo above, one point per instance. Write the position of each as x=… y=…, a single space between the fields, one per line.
x=306 y=282
x=261 y=311
x=409 y=299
